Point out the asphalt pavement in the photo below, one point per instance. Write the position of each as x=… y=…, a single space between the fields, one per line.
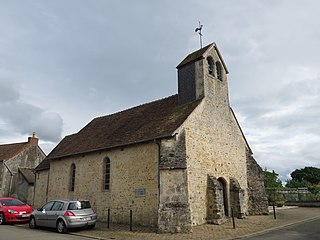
x=21 y=232
x=252 y=226
x=306 y=230
x=249 y=226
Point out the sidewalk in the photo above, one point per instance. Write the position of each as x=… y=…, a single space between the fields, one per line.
x=244 y=227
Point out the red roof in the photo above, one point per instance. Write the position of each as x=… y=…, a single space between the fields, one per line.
x=8 y=151
x=155 y=120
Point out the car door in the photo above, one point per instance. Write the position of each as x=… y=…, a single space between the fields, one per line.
x=55 y=212
x=42 y=214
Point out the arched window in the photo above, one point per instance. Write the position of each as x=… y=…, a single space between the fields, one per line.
x=72 y=176
x=106 y=173
x=219 y=71
x=211 y=69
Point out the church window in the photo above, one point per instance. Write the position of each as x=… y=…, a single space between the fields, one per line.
x=219 y=70
x=211 y=69
x=106 y=171
x=72 y=176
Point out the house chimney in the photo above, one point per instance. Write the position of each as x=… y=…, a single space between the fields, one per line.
x=33 y=141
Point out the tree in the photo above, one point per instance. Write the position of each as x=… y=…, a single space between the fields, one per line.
x=272 y=183
x=271 y=179
x=309 y=174
x=297 y=184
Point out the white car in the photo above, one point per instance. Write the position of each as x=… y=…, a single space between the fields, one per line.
x=63 y=215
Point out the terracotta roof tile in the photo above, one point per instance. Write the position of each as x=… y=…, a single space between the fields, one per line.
x=149 y=121
x=8 y=151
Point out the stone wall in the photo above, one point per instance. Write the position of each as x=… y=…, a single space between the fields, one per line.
x=214 y=145
x=41 y=188
x=133 y=182
x=23 y=189
x=237 y=199
x=258 y=201
x=5 y=183
x=174 y=210
x=2 y=181
x=173 y=153
x=215 y=206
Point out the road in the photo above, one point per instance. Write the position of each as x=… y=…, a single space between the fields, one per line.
x=308 y=230
x=14 y=232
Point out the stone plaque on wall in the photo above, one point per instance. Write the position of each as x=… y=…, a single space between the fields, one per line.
x=140 y=192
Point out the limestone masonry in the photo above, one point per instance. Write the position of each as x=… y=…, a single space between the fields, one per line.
x=177 y=162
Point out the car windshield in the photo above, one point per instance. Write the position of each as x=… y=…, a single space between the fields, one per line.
x=79 y=205
x=11 y=202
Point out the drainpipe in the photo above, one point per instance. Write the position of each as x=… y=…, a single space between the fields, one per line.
x=11 y=176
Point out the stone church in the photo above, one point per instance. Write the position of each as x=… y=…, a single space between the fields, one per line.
x=177 y=162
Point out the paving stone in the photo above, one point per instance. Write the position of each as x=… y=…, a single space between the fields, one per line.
x=244 y=227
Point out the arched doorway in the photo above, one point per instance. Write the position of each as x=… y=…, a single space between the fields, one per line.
x=224 y=195
x=217 y=200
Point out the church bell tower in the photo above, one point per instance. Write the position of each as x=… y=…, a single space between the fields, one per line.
x=199 y=72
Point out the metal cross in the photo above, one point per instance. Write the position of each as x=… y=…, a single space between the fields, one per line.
x=198 y=30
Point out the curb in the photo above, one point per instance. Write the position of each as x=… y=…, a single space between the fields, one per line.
x=89 y=236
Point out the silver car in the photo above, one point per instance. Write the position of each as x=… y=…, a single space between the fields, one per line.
x=63 y=215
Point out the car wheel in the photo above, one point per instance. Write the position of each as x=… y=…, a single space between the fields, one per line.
x=2 y=220
x=61 y=227
x=32 y=223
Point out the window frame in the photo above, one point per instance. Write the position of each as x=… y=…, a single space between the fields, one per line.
x=44 y=207
x=106 y=174
x=59 y=204
x=72 y=177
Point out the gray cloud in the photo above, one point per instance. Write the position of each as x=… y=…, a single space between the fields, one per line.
x=21 y=117
x=282 y=126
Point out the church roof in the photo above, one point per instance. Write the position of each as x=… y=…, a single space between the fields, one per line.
x=154 y=120
x=45 y=164
x=196 y=55
x=8 y=151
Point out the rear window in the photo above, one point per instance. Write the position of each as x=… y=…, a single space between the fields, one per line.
x=11 y=202
x=79 y=205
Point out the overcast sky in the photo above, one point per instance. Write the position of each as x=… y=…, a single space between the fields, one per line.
x=64 y=62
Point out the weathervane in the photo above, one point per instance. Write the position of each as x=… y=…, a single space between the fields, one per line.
x=198 y=30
